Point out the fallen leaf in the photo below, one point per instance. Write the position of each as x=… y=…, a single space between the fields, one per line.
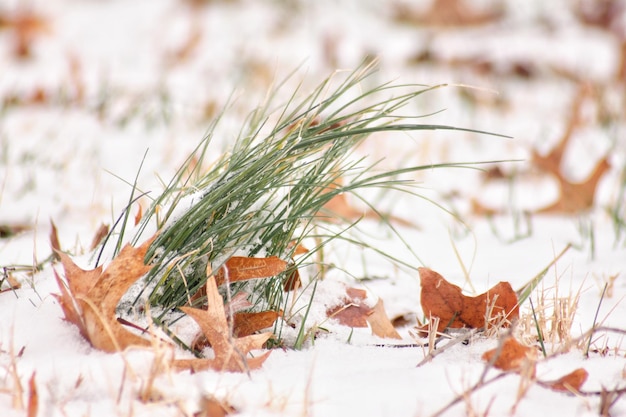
x=244 y=324
x=212 y=407
x=380 y=324
x=446 y=13
x=101 y=233
x=229 y=352
x=139 y=214
x=33 y=397
x=352 y=310
x=90 y=297
x=241 y=268
x=511 y=356
x=292 y=281
x=54 y=240
x=571 y=382
x=439 y=298
x=247 y=323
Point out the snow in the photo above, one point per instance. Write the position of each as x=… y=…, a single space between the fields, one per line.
x=117 y=90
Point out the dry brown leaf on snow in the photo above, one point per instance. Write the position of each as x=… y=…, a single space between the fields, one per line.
x=380 y=324
x=354 y=312
x=511 y=356
x=439 y=298
x=244 y=324
x=230 y=352
x=89 y=297
x=571 y=382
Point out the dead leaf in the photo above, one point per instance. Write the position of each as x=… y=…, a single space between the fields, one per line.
x=101 y=233
x=247 y=323
x=54 y=240
x=380 y=324
x=439 y=298
x=33 y=397
x=352 y=311
x=292 y=281
x=571 y=382
x=511 y=356
x=241 y=268
x=212 y=407
x=90 y=297
x=447 y=13
x=139 y=214
x=230 y=353
x=244 y=324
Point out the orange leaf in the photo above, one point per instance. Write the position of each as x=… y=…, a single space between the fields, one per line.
x=244 y=323
x=230 y=352
x=241 y=268
x=91 y=297
x=139 y=214
x=439 y=298
x=511 y=356
x=571 y=382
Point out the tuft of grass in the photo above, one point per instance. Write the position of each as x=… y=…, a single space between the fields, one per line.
x=265 y=195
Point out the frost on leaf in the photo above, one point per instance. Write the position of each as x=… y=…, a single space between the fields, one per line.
x=230 y=352
x=89 y=297
x=439 y=298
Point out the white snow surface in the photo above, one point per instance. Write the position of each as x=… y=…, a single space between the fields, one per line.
x=71 y=160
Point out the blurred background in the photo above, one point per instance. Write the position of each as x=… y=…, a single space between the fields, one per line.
x=87 y=87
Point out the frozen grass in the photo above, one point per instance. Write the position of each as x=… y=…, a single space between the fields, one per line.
x=268 y=193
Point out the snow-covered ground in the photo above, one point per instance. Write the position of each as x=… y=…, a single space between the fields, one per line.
x=99 y=84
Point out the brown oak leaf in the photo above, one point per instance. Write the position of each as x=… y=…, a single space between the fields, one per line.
x=439 y=298
x=230 y=352
x=89 y=297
